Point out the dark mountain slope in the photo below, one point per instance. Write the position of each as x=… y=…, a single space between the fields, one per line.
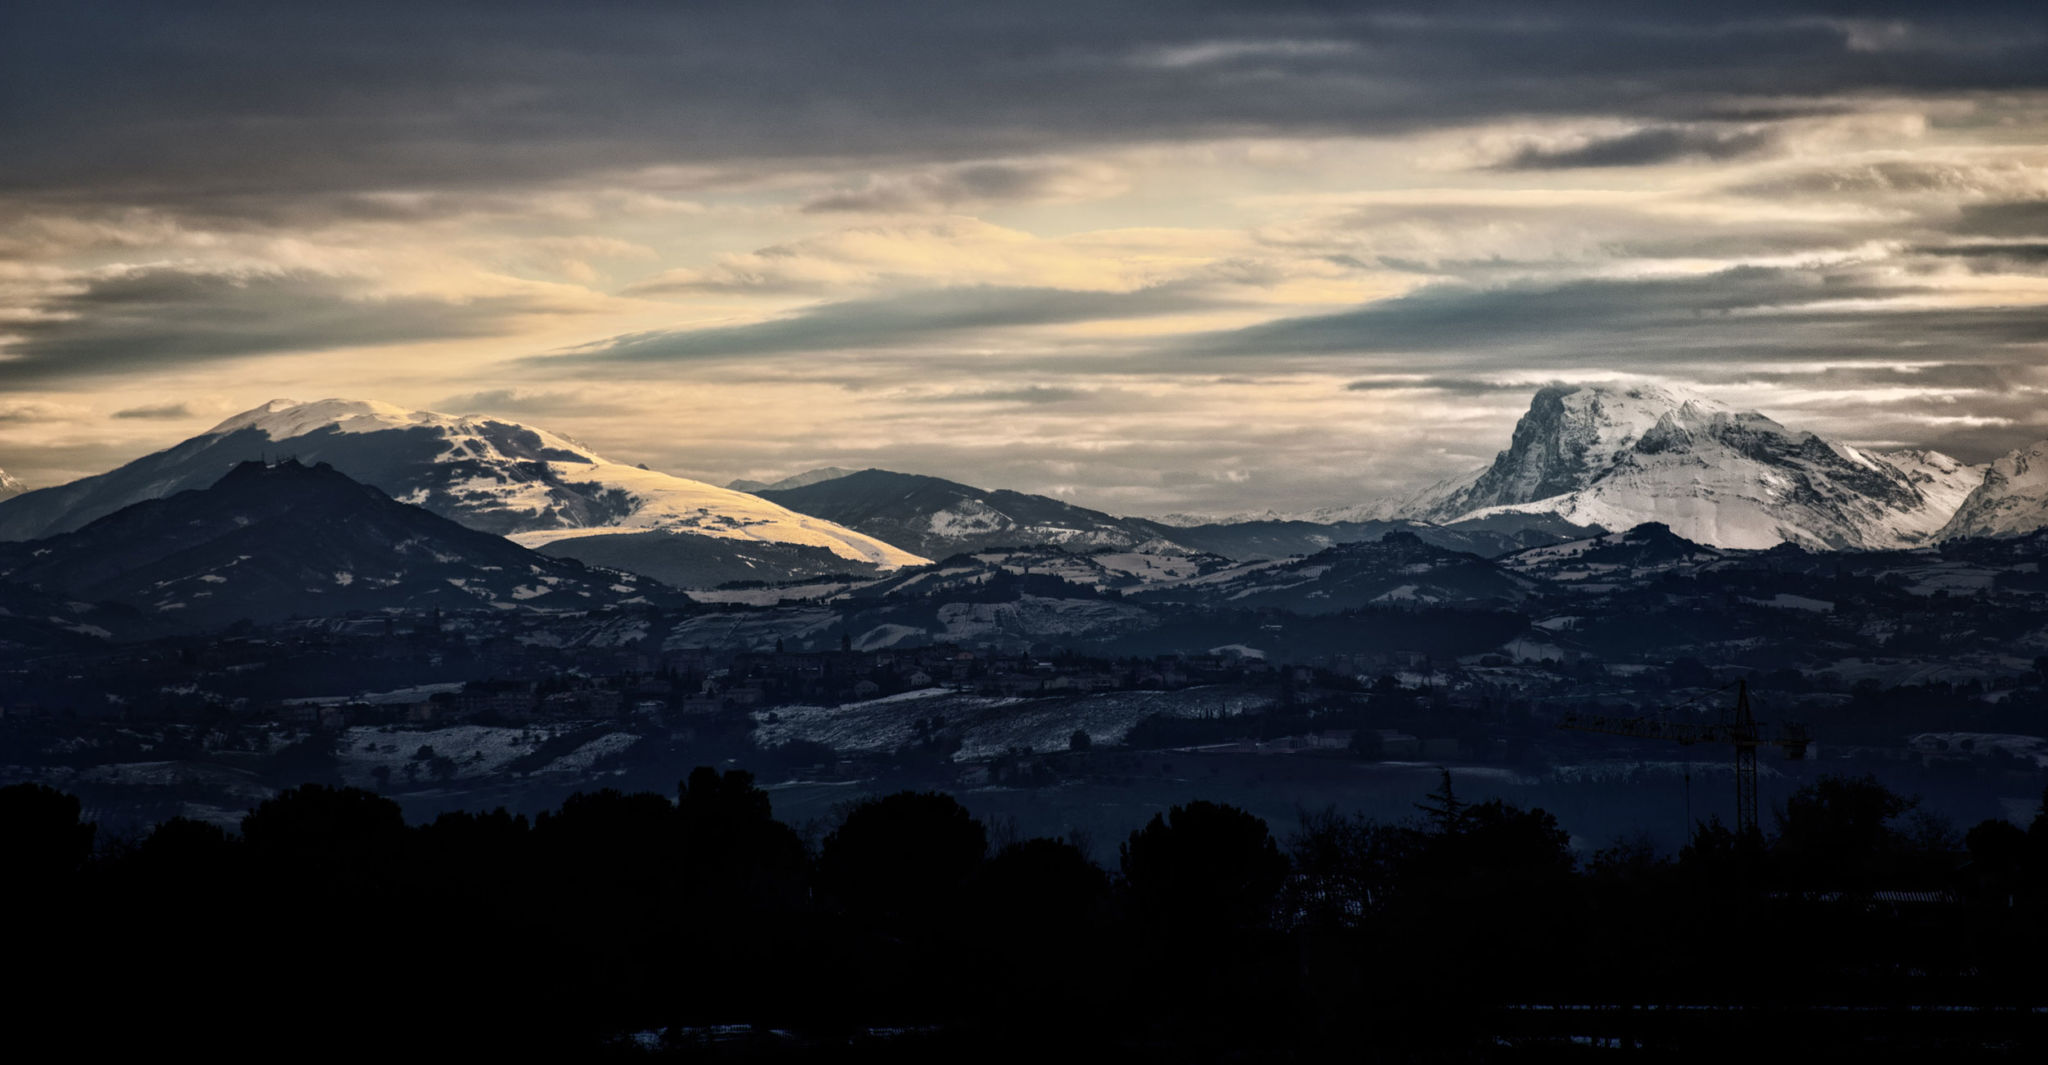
x=937 y=517
x=275 y=541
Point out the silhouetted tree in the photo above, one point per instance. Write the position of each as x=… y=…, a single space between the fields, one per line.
x=901 y=855
x=315 y=815
x=1203 y=866
x=1343 y=867
x=1838 y=833
x=1998 y=858
x=1446 y=812
x=183 y=843
x=41 y=834
x=1042 y=886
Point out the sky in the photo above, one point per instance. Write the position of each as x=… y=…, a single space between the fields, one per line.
x=1194 y=257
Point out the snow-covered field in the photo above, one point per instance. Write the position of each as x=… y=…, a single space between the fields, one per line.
x=1037 y=617
x=2030 y=749
x=476 y=750
x=989 y=725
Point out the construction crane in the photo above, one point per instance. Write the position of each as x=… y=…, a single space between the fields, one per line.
x=1740 y=729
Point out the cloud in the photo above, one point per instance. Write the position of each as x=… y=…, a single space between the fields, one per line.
x=1730 y=317
x=1210 y=53
x=1452 y=316
x=942 y=252
x=2023 y=218
x=157 y=317
x=1952 y=179
x=1994 y=257
x=425 y=98
x=1943 y=378
x=888 y=321
x=1829 y=208
x=1035 y=395
x=971 y=185
x=29 y=413
x=1460 y=386
x=524 y=402
x=162 y=411
x=1646 y=147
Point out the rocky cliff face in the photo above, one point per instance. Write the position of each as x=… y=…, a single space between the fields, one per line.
x=2012 y=500
x=1621 y=456
x=1568 y=438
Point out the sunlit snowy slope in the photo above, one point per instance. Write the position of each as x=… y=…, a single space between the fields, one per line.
x=1619 y=456
x=2011 y=501
x=539 y=489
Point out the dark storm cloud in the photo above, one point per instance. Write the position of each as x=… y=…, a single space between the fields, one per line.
x=1944 y=377
x=970 y=184
x=889 y=321
x=2018 y=252
x=1978 y=443
x=1034 y=395
x=1644 y=147
x=159 y=411
x=200 y=104
x=1472 y=239
x=1748 y=317
x=1978 y=429
x=2020 y=257
x=1453 y=317
x=2024 y=218
x=155 y=318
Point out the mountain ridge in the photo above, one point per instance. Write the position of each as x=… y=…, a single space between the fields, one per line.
x=498 y=476
x=2011 y=501
x=274 y=540
x=1619 y=456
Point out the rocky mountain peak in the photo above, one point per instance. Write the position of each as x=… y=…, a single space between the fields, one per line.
x=2012 y=499
x=1619 y=455
x=1570 y=435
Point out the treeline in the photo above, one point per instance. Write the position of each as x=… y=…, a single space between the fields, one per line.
x=328 y=925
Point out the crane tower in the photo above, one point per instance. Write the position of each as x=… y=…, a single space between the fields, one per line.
x=1739 y=729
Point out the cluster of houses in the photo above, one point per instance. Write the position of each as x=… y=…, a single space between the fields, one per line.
x=437 y=671
x=696 y=682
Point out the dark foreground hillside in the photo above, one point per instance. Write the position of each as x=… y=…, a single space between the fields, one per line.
x=624 y=926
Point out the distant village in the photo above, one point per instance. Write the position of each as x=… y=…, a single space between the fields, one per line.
x=376 y=671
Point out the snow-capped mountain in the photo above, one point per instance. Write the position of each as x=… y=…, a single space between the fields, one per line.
x=2012 y=499
x=9 y=486
x=797 y=480
x=938 y=517
x=268 y=542
x=539 y=489
x=1180 y=520
x=1946 y=481
x=1428 y=500
x=1603 y=562
x=1620 y=456
x=1398 y=569
x=1569 y=437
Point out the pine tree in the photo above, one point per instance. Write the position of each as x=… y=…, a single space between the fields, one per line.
x=1446 y=811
